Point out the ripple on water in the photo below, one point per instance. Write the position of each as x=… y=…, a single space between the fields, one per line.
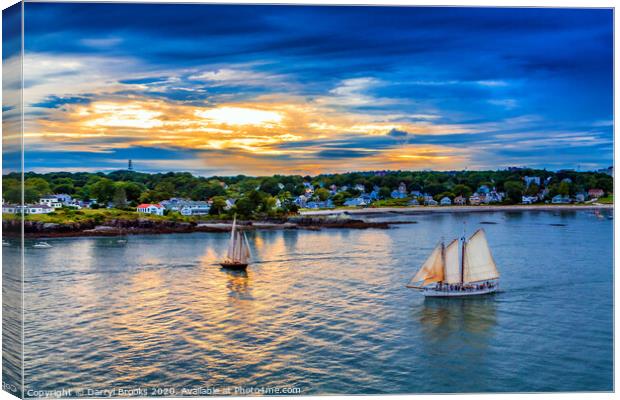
x=325 y=311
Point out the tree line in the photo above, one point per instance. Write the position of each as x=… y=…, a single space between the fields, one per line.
x=126 y=188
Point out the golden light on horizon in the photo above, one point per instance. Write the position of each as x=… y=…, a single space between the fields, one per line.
x=131 y=115
x=229 y=115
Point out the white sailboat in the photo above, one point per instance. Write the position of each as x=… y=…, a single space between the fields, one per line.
x=238 y=254
x=442 y=275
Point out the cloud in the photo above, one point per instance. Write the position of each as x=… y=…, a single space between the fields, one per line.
x=309 y=88
x=397 y=133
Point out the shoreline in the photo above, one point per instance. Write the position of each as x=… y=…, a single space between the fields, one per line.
x=307 y=220
x=419 y=210
x=116 y=229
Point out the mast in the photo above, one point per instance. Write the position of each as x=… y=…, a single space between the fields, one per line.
x=463 y=260
x=443 y=259
x=231 y=244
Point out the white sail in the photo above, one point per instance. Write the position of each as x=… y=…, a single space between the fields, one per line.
x=231 y=244
x=247 y=252
x=478 y=264
x=432 y=269
x=452 y=273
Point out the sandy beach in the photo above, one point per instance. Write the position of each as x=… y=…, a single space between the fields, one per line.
x=455 y=209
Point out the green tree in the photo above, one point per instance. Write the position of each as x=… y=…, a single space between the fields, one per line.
x=132 y=190
x=322 y=194
x=244 y=207
x=532 y=190
x=103 y=190
x=11 y=190
x=462 y=190
x=218 y=205
x=120 y=198
x=39 y=186
x=385 y=192
x=341 y=197
x=514 y=191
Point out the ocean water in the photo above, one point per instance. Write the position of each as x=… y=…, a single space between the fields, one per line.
x=323 y=312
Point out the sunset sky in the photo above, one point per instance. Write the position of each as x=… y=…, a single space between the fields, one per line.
x=221 y=90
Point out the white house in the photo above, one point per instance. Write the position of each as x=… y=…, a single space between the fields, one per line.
x=445 y=201
x=156 y=209
x=9 y=209
x=38 y=209
x=229 y=204
x=195 y=208
x=64 y=198
x=50 y=201
x=559 y=199
x=359 y=187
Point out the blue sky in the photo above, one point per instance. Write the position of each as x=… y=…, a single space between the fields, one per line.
x=219 y=89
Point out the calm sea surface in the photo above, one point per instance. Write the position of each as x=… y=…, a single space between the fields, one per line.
x=324 y=311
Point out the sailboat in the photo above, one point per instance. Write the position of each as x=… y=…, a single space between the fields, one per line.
x=444 y=275
x=238 y=254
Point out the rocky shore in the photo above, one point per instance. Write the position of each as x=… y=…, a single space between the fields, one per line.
x=115 y=227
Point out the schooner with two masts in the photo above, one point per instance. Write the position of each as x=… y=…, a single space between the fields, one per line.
x=475 y=274
x=238 y=255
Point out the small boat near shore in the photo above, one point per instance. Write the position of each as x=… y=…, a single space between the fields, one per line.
x=442 y=275
x=42 y=245
x=238 y=255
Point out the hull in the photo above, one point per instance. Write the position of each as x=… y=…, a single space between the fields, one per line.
x=433 y=292
x=234 y=265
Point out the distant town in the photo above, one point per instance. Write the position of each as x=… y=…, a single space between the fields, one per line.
x=184 y=194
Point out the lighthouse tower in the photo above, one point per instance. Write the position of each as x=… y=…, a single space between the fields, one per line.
x=130 y=165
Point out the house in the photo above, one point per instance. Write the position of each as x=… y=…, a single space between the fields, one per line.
x=567 y=180
x=37 y=209
x=155 y=209
x=531 y=179
x=278 y=203
x=493 y=197
x=529 y=199
x=312 y=204
x=414 y=202
x=484 y=189
x=64 y=198
x=360 y=188
x=280 y=185
x=559 y=199
x=596 y=193
x=50 y=201
x=229 y=204
x=374 y=195
x=333 y=189
x=9 y=208
x=581 y=197
x=475 y=199
x=300 y=201
x=445 y=201
x=356 y=202
x=397 y=194
x=430 y=202
x=460 y=200
x=402 y=188
x=416 y=193
x=195 y=208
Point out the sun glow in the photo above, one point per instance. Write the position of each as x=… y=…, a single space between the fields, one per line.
x=241 y=116
x=121 y=115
